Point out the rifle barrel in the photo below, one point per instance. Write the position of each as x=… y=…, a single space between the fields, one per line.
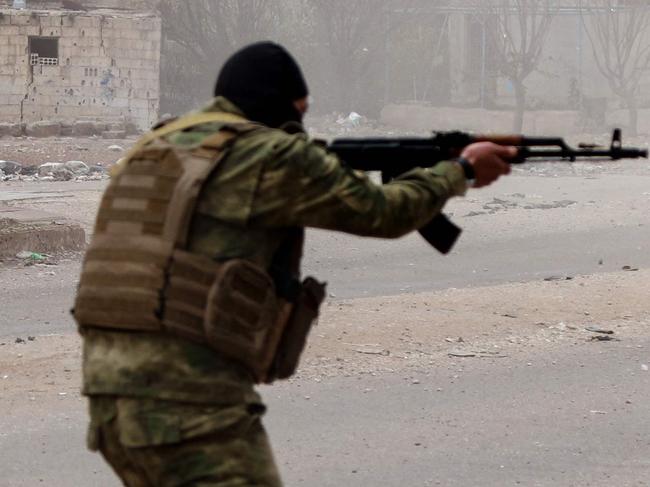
x=394 y=156
x=526 y=154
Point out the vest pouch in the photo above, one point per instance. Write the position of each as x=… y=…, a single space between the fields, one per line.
x=189 y=280
x=294 y=338
x=242 y=316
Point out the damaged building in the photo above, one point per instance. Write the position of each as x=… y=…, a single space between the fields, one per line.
x=78 y=68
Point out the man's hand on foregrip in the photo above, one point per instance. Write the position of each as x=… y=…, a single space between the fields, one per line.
x=489 y=161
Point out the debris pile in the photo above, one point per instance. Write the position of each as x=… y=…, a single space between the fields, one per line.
x=9 y=168
x=52 y=171
x=351 y=124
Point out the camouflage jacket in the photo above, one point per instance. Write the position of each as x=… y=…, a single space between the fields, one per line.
x=269 y=183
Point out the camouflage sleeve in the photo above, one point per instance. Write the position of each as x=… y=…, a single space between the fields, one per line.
x=309 y=187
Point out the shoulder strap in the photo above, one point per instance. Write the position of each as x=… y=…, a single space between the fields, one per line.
x=184 y=123
x=198 y=166
x=192 y=120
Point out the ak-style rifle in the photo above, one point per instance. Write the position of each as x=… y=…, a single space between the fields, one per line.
x=395 y=156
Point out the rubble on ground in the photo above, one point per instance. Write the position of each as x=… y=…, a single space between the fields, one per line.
x=11 y=167
x=53 y=171
x=32 y=159
x=350 y=124
x=91 y=149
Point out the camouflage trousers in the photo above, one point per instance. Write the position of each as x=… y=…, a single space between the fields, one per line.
x=151 y=443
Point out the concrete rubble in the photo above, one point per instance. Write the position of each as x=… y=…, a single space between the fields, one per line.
x=10 y=167
x=52 y=171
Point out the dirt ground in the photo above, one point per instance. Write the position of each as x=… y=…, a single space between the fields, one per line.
x=31 y=151
x=401 y=334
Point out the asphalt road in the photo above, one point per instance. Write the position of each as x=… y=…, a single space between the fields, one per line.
x=576 y=417
x=36 y=300
x=521 y=229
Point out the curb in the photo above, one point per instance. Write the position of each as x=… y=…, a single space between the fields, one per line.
x=44 y=238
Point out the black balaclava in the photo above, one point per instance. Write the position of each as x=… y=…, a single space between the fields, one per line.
x=263 y=80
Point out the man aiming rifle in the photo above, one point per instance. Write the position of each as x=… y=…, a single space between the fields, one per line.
x=190 y=292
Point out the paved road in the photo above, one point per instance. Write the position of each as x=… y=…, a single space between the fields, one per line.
x=525 y=228
x=578 y=417
x=36 y=300
x=497 y=424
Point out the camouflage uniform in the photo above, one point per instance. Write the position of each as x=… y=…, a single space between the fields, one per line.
x=168 y=412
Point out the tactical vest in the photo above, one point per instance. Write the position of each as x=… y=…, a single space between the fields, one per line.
x=138 y=275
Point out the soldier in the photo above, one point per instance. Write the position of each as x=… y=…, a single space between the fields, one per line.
x=189 y=294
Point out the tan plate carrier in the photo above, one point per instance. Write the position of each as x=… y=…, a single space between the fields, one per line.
x=137 y=275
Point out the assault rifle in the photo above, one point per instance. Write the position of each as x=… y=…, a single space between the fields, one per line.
x=395 y=156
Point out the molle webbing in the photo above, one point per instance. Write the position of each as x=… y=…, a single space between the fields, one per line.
x=186 y=296
x=138 y=275
x=121 y=282
x=134 y=273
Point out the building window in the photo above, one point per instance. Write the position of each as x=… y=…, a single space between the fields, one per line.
x=44 y=51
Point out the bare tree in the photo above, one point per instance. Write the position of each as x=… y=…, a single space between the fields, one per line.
x=341 y=44
x=351 y=36
x=418 y=54
x=210 y=29
x=198 y=37
x=619 y=39
x=520 y=29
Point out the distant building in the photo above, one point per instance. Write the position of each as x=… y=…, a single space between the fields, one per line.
x=459 y=66
x=80 y=63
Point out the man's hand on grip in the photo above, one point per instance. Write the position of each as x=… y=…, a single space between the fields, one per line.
x=490 y=161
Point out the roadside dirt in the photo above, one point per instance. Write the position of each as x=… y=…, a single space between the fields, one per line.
x=403 y=334
x=31 y=151
x=416 y=331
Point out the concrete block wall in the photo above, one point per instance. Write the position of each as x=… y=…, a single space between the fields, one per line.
x=109 y=65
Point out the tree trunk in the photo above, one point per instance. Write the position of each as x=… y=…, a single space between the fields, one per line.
x=520 y=105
